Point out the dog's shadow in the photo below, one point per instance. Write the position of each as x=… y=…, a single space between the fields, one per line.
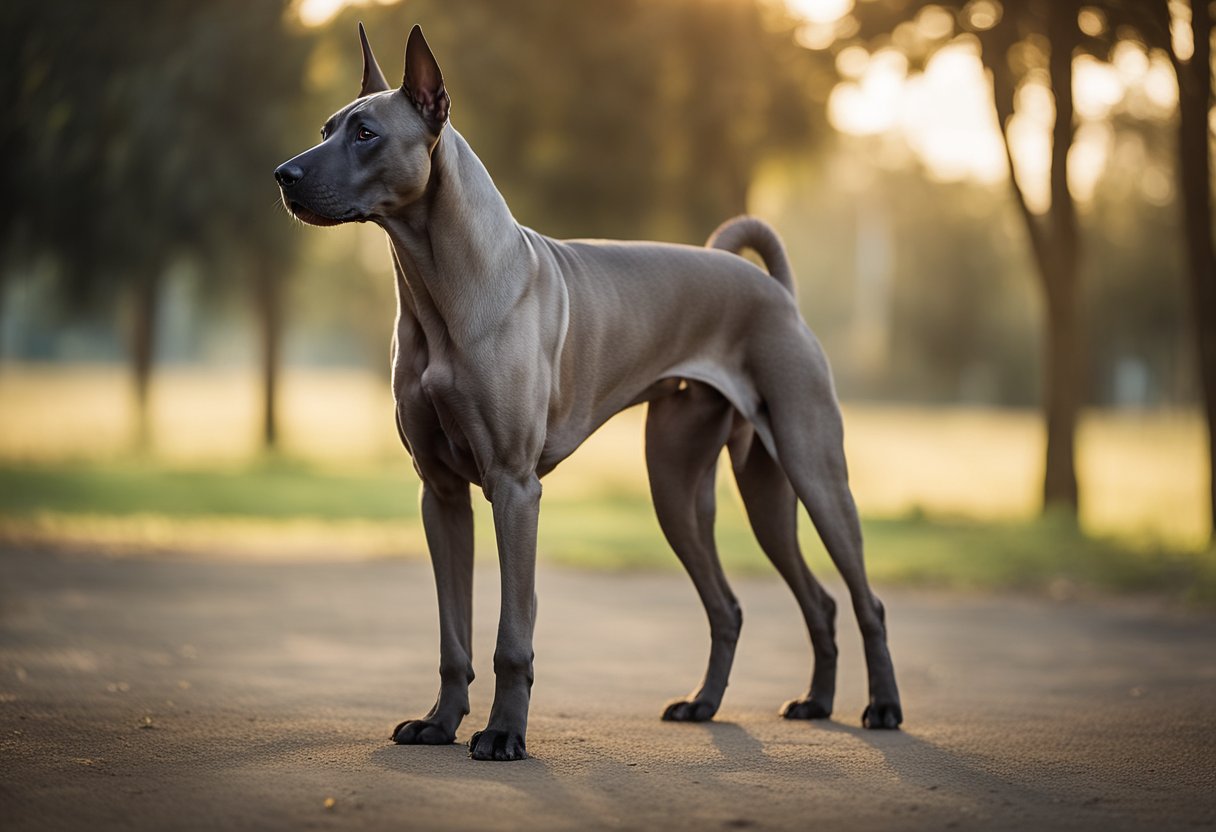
x=447 y=770
x=570 y=788
x=923 y=764
x=914 y=760
x=734 y=742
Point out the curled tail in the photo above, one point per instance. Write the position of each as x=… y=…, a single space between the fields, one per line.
x=742 y=232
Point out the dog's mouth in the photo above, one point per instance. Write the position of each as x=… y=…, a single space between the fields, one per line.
x=309 y=216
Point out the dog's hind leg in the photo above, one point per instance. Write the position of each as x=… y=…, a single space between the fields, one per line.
x=685 y=433
x=795 y=385
x=772 y=509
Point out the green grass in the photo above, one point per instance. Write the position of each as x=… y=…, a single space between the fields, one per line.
x=1047 y=554
x=609 y=529
x=269 y=489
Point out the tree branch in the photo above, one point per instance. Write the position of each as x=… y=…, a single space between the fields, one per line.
x=1002 y=97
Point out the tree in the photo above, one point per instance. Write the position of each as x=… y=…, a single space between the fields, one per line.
x=146 y=133
x=1195 y=176
x=247 y=75
x=1194 y=75
x=80 y=147
x=1053 y=237
x=1153 y=23
x=1054 y=240
x=617 y=118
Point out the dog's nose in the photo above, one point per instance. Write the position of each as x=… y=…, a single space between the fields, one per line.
x=288 y=174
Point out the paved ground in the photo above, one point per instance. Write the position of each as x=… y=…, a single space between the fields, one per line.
x=170 y=694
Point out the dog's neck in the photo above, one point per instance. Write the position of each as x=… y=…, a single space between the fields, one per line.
x=454 y=247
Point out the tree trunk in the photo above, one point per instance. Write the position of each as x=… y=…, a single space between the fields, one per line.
x=1194 y=104
x=1055 y=246
x=1064 y=366
x=1063 y=374
x=268 y=287
x=146 y=301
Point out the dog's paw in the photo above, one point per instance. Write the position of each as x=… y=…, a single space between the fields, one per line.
x=421 y=732
x=689 y=710
x=882 y=715
x=492 y=744
x=805 y=709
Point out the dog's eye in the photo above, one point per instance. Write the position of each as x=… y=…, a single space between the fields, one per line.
x=364 y=134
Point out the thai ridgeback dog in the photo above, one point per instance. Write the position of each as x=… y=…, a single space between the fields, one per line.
x=511 y=348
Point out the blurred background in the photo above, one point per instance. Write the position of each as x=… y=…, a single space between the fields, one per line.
x=999 y=214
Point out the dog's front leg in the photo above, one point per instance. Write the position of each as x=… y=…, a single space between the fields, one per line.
x=447 y=517
x=516 y=502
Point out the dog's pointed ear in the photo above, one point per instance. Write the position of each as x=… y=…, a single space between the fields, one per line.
x=423 y=83
x=373 y=78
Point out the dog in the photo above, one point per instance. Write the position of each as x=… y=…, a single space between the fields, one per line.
x=511 y=348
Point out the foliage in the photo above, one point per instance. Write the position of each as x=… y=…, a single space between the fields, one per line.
x=617 y=118
x=145 y=134
x=147 y=131
x=605 y=118
x=1020 y=42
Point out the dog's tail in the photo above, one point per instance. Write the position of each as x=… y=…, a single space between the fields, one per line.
x=742 y=232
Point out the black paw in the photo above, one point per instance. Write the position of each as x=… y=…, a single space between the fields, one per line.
x=805 y=709
x=421 y=732
x=885 y=716
x=689 y=710
x=491 y=744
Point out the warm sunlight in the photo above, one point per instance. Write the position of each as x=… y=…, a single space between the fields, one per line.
x=320 y=12
x=945 y=113
x=820 y=11
x=250 y=470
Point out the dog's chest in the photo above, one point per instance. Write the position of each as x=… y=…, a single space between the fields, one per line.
x=429 y=414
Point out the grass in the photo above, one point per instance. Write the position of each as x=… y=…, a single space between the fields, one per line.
x=272 y=490
x=288 y=508
x=949 y=494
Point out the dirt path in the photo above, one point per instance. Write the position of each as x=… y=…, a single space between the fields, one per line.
x=173 y=694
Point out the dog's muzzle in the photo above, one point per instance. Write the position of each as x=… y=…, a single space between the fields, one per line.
x=288 y=176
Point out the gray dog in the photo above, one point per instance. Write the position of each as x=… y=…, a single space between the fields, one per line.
x=511 y=348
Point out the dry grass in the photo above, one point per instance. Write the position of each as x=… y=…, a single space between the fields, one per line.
x=1142 y=473
x=207 y=416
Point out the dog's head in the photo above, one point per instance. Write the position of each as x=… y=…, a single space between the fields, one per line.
x=375 y=153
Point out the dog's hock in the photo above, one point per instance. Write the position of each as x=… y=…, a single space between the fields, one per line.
x=423 y=82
